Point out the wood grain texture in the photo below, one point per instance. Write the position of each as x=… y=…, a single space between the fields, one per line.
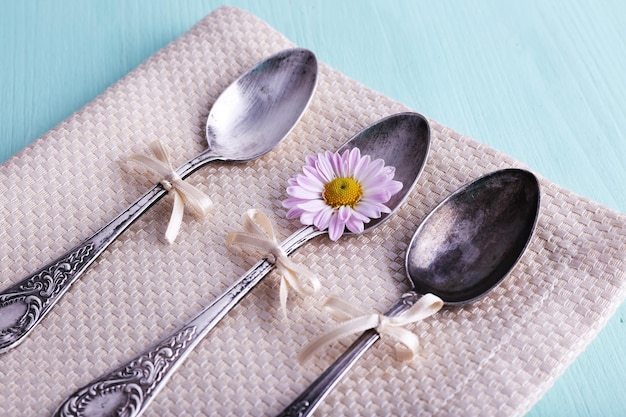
x=541 y=81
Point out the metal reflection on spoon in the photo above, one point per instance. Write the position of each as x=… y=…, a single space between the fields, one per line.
x=470 y=242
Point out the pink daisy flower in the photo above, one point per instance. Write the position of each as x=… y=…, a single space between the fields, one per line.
x=338 y=191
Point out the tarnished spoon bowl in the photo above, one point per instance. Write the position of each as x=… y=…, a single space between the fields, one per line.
x=470 y=242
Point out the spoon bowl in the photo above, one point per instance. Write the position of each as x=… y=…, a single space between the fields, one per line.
x=463 y=249
x=468 y=244
x=262 y=106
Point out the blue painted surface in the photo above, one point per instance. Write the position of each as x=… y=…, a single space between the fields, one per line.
x=542 y=81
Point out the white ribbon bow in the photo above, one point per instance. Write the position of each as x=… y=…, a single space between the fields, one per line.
x=359 y=321
x=185 y=194
x=259 y=235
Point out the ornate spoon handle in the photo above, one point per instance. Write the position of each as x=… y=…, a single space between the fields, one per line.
x=128 y=390
x=308 y=401
x=24 y=305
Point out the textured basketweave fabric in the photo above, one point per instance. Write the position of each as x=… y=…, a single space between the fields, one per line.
x=494 y=357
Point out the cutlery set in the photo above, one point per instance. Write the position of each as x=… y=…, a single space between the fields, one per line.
x=463 y=249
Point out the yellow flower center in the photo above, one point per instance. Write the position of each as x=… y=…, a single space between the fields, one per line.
x=342 y=192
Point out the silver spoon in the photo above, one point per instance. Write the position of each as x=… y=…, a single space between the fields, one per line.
x=463 y=249
x=401 y=140
x=246 y=121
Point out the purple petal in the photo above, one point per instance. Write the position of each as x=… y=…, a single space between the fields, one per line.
x=395 y=187
x=335 y=228
x=373 y=185
x=361 y=217
x=311 y=171
x=310 y=183
x=379 y=195
x=353 y=161
x=374 y=179
x=387 y=188
x=355 y=225
x=310 y=160
x=381 y=208
x=344 y=164
x=313 y=206
x=369 y=209
x=360 y=166
x=344 y=214
x=372 y=174
x=325 y=168
x=336 y=162
x=322 y=218
x=294 y=213
x=307 y=218
x=292 y=202
x=299 y=192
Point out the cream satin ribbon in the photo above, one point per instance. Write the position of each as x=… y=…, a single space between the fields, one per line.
x=185 y=194
x=259 y=236
x=359 y=321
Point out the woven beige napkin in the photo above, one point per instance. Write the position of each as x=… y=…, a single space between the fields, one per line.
x=495 y=357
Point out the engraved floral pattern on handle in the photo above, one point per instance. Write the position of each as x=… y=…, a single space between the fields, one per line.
x=32 y=298
x=127 y=390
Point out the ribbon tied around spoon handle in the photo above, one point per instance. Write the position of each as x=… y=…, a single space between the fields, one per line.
x=357 y=320
x=185 y=194
x=258 y=235
x=308 y=401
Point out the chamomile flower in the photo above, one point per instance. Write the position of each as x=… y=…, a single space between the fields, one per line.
x=341 y=191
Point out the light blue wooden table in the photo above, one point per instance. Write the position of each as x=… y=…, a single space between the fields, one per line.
x=544 y=81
